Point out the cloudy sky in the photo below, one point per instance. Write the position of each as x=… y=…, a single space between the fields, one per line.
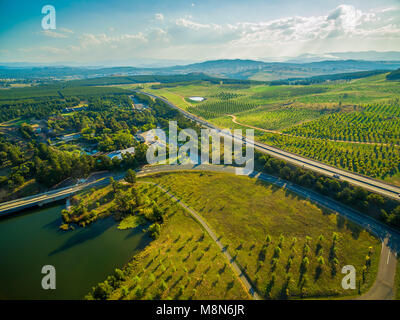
x=121 y=31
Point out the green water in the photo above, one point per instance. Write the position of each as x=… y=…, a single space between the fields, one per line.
x=82 y=257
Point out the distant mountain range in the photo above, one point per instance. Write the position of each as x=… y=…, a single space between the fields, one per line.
x=356 y=55
x=234 y=69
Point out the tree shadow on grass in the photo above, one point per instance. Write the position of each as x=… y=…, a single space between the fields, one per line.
x=176 y=282
x=230 y=285
x=137 y=230
x=354 y=229
x=340 y=222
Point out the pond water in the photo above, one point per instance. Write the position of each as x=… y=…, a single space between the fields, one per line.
x=81 y=257
x=196 y=99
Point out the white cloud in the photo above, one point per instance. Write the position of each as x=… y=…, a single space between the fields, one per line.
x=58 y=33
x=159 y=16
x=89 y=39
x=344 y=28
x=65 y=30
x=54 y=34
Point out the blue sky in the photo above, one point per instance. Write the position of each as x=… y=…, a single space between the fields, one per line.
x=134 y=32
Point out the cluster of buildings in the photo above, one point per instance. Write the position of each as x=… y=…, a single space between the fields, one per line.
x=147 y=137
x=118 y=153
x=150 y=138
x=67 y=110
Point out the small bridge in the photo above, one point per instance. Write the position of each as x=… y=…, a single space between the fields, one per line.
x=46 y=197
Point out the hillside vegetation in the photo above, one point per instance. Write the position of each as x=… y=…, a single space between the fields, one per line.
x=288 y=247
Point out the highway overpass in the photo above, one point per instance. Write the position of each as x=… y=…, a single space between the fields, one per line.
x=46 y=197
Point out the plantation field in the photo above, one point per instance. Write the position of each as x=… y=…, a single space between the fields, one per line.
x=379 y=123
x=360 y=91
x=55 y=91
x=316 y=120
x=288 y=247
x=280 y=118
x=182 y=263
x=378 y=161
x=209 y=110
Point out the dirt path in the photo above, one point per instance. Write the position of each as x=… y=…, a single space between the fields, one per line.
x=249 y=126
x=243 y=279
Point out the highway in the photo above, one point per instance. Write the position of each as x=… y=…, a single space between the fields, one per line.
x=368 y=183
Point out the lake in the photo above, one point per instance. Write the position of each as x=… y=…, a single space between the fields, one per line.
x=81 y=257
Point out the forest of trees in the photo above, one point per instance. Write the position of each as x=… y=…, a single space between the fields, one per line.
x=327 y=77
x=109 y=122
x=394 y=75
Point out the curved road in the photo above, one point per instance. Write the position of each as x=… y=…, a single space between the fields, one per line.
x=353 y=178
x=383 y=287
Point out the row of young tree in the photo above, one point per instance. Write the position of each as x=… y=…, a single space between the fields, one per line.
x=215 y=109
x=378 y=123
x=377 y=161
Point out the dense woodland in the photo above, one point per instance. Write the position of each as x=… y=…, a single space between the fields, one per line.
x=328 y=77
x=108 y=123
x=394 y=75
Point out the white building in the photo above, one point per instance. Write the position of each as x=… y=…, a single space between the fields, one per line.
x=149 y=138
x=119 y=153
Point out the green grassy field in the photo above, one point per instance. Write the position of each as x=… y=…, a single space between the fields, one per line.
x=246 y=212
x=182 y=263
